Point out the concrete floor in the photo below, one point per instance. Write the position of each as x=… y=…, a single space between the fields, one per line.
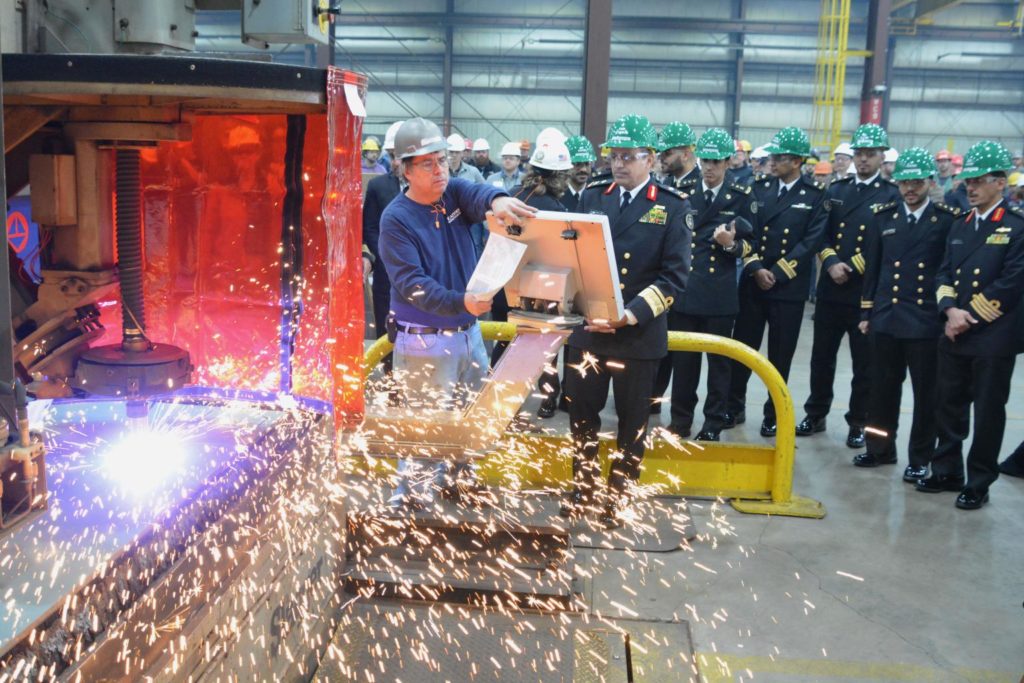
x=893 y=585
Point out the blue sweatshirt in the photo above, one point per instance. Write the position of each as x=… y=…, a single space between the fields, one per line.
x=429 y=254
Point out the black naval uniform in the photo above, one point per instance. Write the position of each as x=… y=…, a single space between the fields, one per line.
x=904 y=253
x=571 y=200
x=982 y=273
x=788 y=233
x=652 y=252
x=709 y=304
x=379 y=193
x=850 y=205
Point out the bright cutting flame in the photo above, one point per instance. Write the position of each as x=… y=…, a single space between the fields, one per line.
x=143 y=460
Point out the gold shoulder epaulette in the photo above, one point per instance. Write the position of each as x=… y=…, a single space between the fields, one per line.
x=885 y=207
x=946 y=208
x=600 y=183
x=672 y=190
x=745 y=189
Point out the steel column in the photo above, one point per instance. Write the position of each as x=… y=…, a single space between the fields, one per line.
x=738 y=67
x=446 y=77
x=597 y=54
x=6 y=335
x=874 y=99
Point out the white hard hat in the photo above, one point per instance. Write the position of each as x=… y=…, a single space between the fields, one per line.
x=551 y=155
x=759 y=153
x=481 y=145
x=843 y=148
x=550 y=135
x=891 y=155
x=389 y=137
x=510 y=149
x=456 y=143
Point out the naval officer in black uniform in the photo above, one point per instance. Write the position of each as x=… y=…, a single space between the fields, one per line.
x=905 y=246
x=652 y=251
x=788 y=227
x=851 y=201
x=721 y=233
x=980 y=285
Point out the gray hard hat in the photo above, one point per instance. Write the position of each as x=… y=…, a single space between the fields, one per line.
x=417 y=137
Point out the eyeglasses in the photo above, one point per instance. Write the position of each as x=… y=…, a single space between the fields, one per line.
x=626 y=157
x=431 y=165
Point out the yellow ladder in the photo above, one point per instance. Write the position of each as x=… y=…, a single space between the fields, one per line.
x=830 y=73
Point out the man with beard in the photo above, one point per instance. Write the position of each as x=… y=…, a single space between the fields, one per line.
x=482 y=157
x=904 y=251
x=980 y=285
x=582 y=155
x=652 y=248
x=721 y=213
x=837 y=312
x=678 y=164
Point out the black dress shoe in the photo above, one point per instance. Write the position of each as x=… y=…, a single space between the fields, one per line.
x=855 y=439
x=563 y=405
x=547 y=407
x=574 y=503
x=680 y=430
x=768 y=427
x=969 y=499
x=810 y=425
x=937 y=483
x=609 y=517
x=872 y=460
x=731 y=420
x=709 y=435
x=914 y=473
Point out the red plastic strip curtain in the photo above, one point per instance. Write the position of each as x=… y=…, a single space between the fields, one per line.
x=213 y=248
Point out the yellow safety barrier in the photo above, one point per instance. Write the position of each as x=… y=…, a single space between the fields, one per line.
x=756 y=478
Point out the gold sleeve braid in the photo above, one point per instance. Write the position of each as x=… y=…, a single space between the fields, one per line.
x=825 y=253
x=658 y=302
x=858 y=263
x=788 y=267
x=867 y=305
x=988 y=309
x=944 y=291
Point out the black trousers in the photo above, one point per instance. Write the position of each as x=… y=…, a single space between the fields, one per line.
x=831 y=322
x=783 y=319
x=587 y=393
x=684 y=369
x=891 y=358
x=381 y=305
x=985 y=382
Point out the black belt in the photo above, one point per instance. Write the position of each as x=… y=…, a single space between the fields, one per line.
x=413 y=329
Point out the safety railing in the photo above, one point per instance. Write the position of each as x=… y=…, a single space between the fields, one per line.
x=757 y=478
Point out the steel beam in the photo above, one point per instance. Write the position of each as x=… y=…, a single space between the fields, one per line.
x=686 y=24
x=6 y=335
x=597 y=53
x=738 y=68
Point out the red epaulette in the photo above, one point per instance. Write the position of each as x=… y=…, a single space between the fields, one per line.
x=610 y=188
x=969 y=218
x=998 y=214
x=652 y=192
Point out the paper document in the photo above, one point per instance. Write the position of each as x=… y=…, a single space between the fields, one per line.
x=497 y=265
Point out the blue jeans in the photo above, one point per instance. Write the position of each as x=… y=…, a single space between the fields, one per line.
x=436 y=370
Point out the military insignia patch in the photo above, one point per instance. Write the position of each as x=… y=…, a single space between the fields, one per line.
x=689 y=221
x=998 y=239
x=753 y=207
x=656 y=215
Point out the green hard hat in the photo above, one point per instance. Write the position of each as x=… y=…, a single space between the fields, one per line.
x=790 y=140
x=676 y=134
x=986 y=157
x=580 y=149
x=869 y=135
x=632 y=130
x=715 y=143
x=915 y=163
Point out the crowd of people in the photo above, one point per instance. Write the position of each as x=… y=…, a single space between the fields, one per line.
x=915 y=257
